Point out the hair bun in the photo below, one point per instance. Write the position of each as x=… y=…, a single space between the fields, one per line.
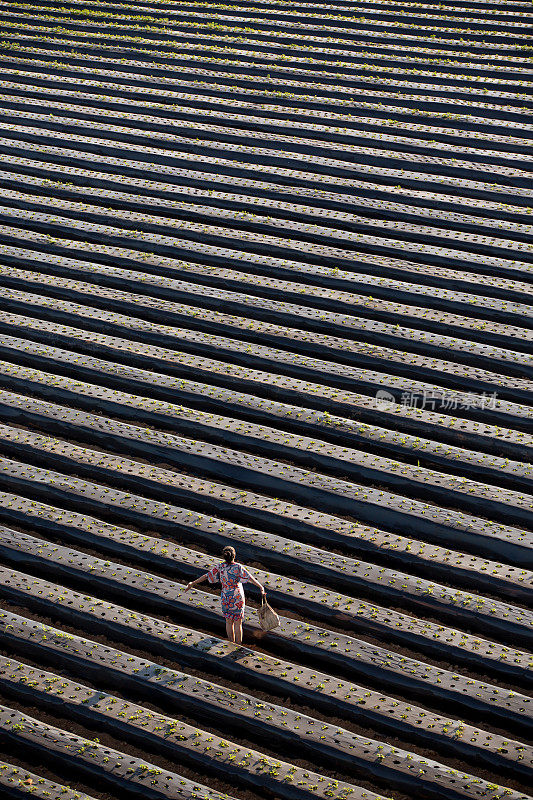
x=228 y=554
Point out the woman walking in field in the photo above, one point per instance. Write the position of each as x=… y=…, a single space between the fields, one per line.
x=231 y=576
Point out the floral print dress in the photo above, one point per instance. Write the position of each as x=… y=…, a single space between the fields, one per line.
x=231 y=577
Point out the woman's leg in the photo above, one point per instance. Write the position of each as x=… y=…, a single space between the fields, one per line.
x=229 y=630
x=237 y=628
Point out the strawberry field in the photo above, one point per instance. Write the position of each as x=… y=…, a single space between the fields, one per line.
x=265 y=281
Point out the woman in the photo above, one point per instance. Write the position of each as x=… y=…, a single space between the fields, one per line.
x=232 y=576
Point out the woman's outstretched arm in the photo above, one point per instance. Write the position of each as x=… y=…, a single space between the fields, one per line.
x=256 y=583
x=201 y=579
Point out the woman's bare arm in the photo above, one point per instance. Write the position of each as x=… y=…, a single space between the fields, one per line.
x=256 y=583
x=201 y=579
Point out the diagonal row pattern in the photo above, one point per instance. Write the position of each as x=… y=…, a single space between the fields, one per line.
x=265 y=280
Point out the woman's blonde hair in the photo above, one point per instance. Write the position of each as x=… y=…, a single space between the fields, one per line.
x=228 y=554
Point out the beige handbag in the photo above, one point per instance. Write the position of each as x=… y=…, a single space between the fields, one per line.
x=268 y=618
